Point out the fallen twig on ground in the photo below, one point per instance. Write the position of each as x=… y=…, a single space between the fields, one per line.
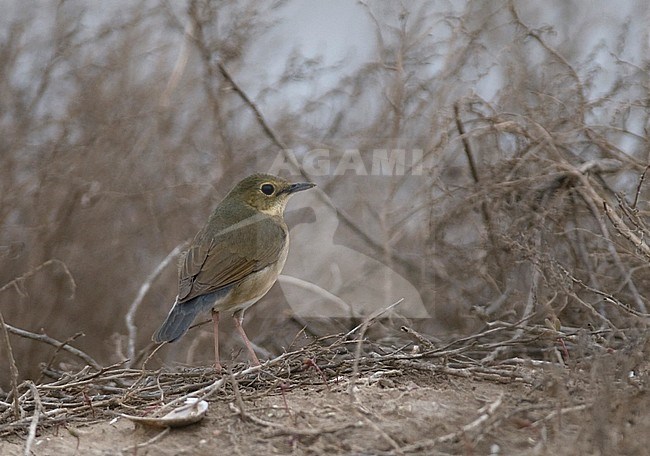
x=94 y=394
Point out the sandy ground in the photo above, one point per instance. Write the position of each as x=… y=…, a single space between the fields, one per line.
x=398 y=412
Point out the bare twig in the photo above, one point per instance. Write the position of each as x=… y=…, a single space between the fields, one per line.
x=355 y=366
x=56 y=352
x=592 y=199
x=560 y=412
x=625 y=231
x=207 y=391
x=638 y=187
x=606 y=296
x=38 y=408
x=144 y=288
x=421 y=339
x=238 y=399
x=357 y=353
x=152 y=440
x=289 y=430
x=13 y=369
x=536 y=35
x=373 y=316
x=309 y=286
x=15 y=282
x=55 y=343
x=179 y=66
x=383 y=434
x=484 y=206
x=312 y=287
x=486 y=413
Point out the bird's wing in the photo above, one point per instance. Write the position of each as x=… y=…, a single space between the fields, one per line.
x=229 y=256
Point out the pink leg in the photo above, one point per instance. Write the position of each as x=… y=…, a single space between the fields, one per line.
x=215 y=327
x=238 y=321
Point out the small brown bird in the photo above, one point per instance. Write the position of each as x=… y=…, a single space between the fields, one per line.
x=235 y=258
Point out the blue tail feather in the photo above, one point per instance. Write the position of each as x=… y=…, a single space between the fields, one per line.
x=182 y=315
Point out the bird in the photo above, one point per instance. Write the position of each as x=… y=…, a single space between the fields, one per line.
x=235 y=259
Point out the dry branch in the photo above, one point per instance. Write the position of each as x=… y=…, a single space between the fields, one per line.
x=486 y=413
x=133 y=308
x=13 y=369
x=35 y=417
x=55 y=343
x=78 y=397
x=18 y=280
x=151 y=441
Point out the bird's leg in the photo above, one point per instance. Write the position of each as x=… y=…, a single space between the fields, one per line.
x=238 y=317
x=215 y=327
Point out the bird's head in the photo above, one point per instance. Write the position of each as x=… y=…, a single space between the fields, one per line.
x=266 y=193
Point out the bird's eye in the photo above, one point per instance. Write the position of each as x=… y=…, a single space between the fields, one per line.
x=267 y=189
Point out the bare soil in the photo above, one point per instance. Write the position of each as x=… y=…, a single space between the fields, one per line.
x=593 y=408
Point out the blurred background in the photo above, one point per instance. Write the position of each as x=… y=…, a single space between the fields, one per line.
x=463 y=151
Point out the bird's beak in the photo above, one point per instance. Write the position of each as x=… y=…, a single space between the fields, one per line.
x=293 y=188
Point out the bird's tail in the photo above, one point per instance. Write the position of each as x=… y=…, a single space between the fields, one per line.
x=181 y=317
